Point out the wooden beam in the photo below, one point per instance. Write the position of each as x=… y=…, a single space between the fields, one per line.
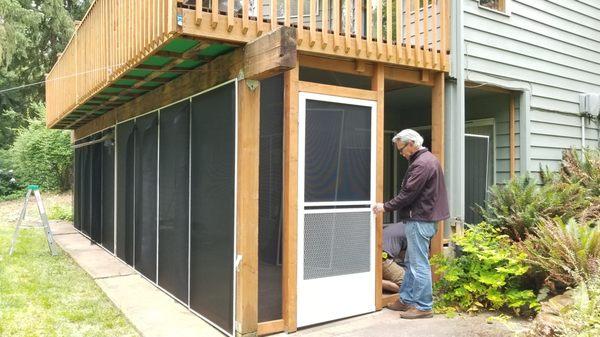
x=151 y=76
x=141 y=78
x=119 y=86
x=407 y=76
x=270 y=54
x=325 y=89
x=183 y=56
x=347 y=66
x=437 y=148
x=148 y=67
x=251 y=59
x=511 y=135
x=247 y=206
x=378 y=85
x=221 y=69
x=425 y=75
x=271 y=327
x=290 y=198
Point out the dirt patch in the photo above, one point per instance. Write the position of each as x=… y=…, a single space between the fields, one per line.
x=10 y=210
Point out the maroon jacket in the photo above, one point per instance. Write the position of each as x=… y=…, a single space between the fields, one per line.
x=423 y=194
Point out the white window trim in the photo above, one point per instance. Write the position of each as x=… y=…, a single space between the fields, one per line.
x=507 y=8
x=488 y=122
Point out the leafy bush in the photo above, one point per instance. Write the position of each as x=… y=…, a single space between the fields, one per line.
x=582 y=319
x=8 y=183
x=568 y=252
x=486 y=275
x=58 y=212
x=43 y=157
x=517 y=207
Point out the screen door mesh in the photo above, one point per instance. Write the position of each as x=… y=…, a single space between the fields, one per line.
x=336 y=244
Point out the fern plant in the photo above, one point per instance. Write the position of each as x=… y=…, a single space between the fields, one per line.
x=568 y=252
x=514 y=208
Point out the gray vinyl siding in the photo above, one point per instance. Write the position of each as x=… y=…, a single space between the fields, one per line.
x=550 y=48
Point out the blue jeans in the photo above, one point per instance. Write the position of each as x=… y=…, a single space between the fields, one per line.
x=416 y=287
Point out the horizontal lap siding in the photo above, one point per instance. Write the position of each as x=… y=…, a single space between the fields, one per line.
x=553 y=48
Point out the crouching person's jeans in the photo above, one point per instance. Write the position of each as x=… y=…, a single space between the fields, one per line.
x=416 y=288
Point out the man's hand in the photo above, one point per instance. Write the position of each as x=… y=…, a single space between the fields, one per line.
x=378 y=208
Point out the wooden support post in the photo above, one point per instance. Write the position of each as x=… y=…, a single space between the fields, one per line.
x=290 y=198
x=247 y=206
x=437 y=147
x=378 y=85
x=511 y=135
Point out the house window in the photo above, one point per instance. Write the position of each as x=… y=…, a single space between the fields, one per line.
x=497 y=5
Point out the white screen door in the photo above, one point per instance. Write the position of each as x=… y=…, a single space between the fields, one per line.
x=336 y=229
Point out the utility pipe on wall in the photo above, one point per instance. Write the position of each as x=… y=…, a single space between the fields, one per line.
x=582 y=132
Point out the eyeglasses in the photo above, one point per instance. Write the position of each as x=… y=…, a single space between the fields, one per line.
x=402 y=148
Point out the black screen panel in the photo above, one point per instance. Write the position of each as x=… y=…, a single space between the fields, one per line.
x=96 y=190
x=125 y=190
x=270 y=200
x=86 y=187
x=212 y=205
x=77 y=188
x=108 y=197
x=174 y=199
x=476 y=169
x=146 y=153
x=337 y=152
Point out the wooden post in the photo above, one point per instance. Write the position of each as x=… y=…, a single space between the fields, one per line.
x=290 y=198
x=511 y=135
x=437 y=148
x=247 y=207
x=378 y=85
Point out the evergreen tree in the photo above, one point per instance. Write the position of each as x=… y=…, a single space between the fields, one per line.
x=32 y=33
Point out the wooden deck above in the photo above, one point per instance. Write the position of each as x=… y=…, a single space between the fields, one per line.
x=126 y=48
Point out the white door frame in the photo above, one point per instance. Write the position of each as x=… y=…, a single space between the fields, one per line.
x=311 y=293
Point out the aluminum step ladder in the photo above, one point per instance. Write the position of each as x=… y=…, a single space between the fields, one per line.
x=35 y=189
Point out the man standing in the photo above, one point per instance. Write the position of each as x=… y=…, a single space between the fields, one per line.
x=422 y=201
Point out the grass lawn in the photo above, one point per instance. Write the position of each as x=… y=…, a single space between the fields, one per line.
x=44 y=295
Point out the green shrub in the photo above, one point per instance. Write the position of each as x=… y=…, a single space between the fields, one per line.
x=568 y=252
x=9 y=185
x=43 y=157
x=58 y=212
x=485 y=276
x=517 y=207
x=513 y=208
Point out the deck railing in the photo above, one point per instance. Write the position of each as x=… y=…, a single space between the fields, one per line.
x=408 y=32
x=117 y=34
x=113 y=35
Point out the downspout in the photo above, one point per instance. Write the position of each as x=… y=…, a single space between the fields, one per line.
x=455 y=119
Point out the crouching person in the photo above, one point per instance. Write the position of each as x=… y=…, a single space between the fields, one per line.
x=422 y=201
x=392 y=274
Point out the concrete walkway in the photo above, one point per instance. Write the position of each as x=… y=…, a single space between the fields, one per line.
x=152 y=312
x=387 y=323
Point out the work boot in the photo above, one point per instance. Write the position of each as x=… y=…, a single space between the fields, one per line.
x=414 y=313
x=399 y=306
